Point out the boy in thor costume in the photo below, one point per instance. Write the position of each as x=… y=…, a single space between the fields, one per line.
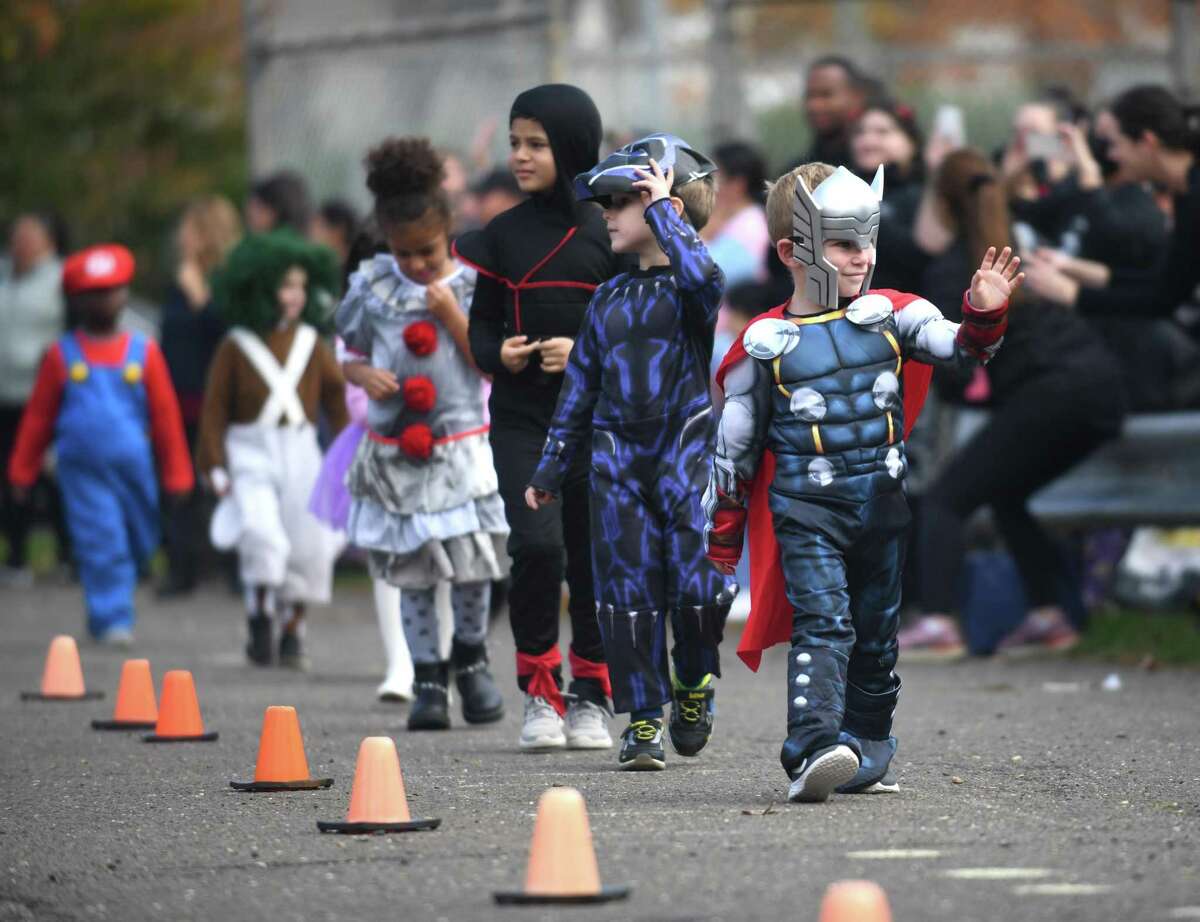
x=820 y=393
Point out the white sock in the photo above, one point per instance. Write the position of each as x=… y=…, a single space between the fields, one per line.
x=399 y=676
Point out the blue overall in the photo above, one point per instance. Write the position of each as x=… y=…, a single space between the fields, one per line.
x=107 y=476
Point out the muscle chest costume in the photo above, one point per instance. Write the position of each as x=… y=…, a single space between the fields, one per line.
x=812 y=436
x=258 y=434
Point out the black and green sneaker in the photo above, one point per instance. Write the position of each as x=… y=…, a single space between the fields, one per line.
x=642 y=747
x=691 y=715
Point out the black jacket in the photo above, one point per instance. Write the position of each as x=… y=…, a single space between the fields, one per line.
x=1135 y=293
x=522 y=293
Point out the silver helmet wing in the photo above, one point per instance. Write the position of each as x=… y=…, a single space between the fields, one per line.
x=843 y=207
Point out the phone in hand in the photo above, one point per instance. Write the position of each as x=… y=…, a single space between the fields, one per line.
x=949 y=125
x=1043 y=146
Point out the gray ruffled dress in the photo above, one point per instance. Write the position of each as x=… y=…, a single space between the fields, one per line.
x=424 y=500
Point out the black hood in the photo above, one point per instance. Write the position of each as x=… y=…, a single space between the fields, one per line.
x=572 y=123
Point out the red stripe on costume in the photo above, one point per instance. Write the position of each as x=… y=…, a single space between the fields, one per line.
x=589 y=669
x=517 y=287
x=542 y=680
x=445 y=439
x=770 y=620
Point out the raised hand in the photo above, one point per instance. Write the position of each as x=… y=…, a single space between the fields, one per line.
x=654 y=185
x=995 y=280
x=441 y=301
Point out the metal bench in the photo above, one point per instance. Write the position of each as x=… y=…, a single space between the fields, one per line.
x=1149 y=476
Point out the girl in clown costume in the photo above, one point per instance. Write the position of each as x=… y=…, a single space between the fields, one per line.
x=258 y=440
x=424 y=493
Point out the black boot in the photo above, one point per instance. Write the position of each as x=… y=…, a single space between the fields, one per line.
x=431 y=707
x=481 y=700
x=258 y=647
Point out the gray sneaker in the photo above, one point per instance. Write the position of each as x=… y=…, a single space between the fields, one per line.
x=543 y=728
x=587 y=726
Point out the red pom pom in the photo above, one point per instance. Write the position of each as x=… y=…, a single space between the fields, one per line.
x=416 y=441
x=419 y=394
x=420 y=337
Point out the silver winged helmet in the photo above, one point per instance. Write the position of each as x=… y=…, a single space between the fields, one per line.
x=843 y=207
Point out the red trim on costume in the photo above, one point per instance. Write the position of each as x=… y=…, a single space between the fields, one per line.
x=542 y=682
x=770 y=620
x=589 y=669
x=517 y=287
x=980 y=330
x=443 y=440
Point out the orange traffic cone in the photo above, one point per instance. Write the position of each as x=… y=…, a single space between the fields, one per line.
x=855 y=901
x=179 y=712
x=562 y=861
x=377 y=800
x=62 y=677
x=281 y=763
x=135 y=708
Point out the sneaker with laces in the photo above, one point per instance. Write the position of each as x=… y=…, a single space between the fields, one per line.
x=822 y=773
x=642 y=747
x=587 y=726
x=542 y=728
x=692 y=712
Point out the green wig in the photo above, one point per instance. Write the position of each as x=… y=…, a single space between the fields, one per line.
x=246 y=287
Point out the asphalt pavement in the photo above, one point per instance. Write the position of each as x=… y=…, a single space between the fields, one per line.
x=1028 y=792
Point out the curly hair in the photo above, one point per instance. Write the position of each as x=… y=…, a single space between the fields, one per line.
x=405 y=176
x=246 y=287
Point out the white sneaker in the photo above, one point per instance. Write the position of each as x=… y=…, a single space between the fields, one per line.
x=587 y=726
x=543 y=728
x=822 y=773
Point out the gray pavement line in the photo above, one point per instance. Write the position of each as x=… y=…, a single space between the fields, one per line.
x=1062 y=889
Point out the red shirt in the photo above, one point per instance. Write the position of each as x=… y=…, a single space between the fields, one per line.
x=41 y=413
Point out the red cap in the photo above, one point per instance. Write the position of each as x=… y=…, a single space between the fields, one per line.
x=108 y=265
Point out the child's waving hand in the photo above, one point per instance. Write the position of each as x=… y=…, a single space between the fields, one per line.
x=995 y=280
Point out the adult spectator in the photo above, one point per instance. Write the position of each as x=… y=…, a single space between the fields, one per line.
x=32 y=314
x=1055 y=396
x=834 y=93
x=495 y=192
x=279 y=200
x=1156 y=140
x=191 y=331
x=736 y=232
x=335 y=225
x=1118 y=227
x=887 y=135
x=1036 y=170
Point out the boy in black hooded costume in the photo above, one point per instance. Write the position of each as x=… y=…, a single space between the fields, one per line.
x=538 y=265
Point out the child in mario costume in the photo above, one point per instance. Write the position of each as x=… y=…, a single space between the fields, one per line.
x=105 y=399
x=820 y=393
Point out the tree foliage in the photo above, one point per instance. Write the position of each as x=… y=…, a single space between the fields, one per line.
x=114 y=113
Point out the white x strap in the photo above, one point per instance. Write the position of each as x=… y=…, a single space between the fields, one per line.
x=283 y=401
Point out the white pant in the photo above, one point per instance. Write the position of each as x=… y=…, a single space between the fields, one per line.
x=265 y=515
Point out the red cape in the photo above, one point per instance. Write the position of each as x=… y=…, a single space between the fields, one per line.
x=770 y=619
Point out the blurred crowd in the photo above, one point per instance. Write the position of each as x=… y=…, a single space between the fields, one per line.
x=1102 y=205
